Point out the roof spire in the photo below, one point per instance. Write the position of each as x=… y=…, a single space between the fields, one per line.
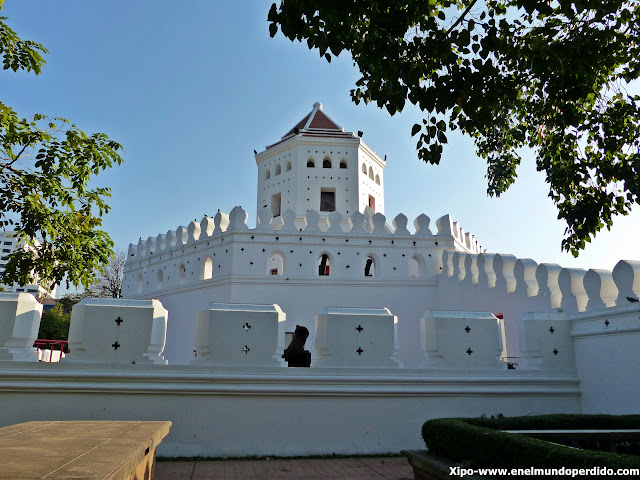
x=317 y=106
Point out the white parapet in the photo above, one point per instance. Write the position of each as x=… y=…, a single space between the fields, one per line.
x=109 y=330
x=545 y=341
x=356 y=337
x=19 y=323
x=456 y=339
x=240 y=335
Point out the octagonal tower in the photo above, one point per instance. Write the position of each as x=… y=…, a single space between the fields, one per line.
x=317 y=165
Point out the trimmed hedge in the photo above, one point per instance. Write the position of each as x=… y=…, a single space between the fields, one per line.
x=480 y=442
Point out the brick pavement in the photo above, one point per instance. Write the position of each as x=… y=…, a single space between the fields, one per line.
x=358 y=468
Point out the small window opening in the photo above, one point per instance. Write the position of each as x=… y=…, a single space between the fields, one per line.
x=372 y=203
x=207 y=271
x=278 y=169
x=327 y=200
x=343 y=164
x=323 y=265
x=311 y=163
x=371 y=173
x=326 y=163
x=378 y=179
x=288 y=166
x=276 y=264
x=276 y=202
x=364 y=169
x=369 y=268
x=267 y=174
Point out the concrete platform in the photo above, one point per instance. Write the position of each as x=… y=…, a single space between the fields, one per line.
x=374 y=468
x=107 y=450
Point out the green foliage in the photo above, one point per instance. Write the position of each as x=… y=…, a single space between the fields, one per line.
x=54 y=324
x=479 y=441
x=551 y=76
x=47 y=166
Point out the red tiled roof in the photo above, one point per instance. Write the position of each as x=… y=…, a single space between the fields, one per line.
x=315 y=124
x=320 y=120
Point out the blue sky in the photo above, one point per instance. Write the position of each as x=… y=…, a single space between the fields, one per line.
x=190 y=89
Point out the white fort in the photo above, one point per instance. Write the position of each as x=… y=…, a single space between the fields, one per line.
x=408 y=321
x=321 y=241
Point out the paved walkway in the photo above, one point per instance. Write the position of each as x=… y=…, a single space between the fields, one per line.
x=376 y=468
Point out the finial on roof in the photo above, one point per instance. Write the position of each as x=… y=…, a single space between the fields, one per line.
x=317 y=105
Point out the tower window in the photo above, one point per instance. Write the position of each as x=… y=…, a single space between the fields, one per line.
x=343 y=164
x=278 y=169
x=328 y=200
x=364 y=169
x=288 y=166
x=276 y=203
x=372 y=203
x=378 y=179
x=311 y=163
x=326 y=163
x=267 y=174
x=371 y=173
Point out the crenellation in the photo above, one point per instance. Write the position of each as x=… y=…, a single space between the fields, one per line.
x=503 y=266
x=400 y=225
x=221 y=221
x=357 y=224
x=193 y=230
x=547 y=278
x=486 y=274
x=151 y=245
x=626 y=276
x=459 y=270
x=207 y=225
x=182 y=235
x=574 y=297
x=264 y=220
x=289 y=221
x=238 y=219
x=335 y=223
x=447 y=263
x=313 y=219
x=171 y=239
x=445 y=226
x=471 y=268
x=160 y=242
x=142 y=248
x=379 y=222
x=524 y=272
x=421 y=224
x=600 y=289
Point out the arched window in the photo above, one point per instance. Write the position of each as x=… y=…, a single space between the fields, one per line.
x=326 y=163
x=343 y=163
x=370 y=267
x=378 y=179
x=275 y=265
x=139 y=283
x=267 y=174
x=159 y=279
x=371 y=173
x=278 y=169
x=364 y=169
x=416 y=266
x=207 y=270
x=182 y=273
x=311 y=163
x=288 y=166
x=323 y=264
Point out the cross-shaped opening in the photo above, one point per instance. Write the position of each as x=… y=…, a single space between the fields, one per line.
x=467 y=329
x=115 y=345
x=555 y=351
x=359 y=350
x=469 y=351
x=551 y=329
x=246 y=327
x=359 y=328
x=245 y=349
x=119 y=321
